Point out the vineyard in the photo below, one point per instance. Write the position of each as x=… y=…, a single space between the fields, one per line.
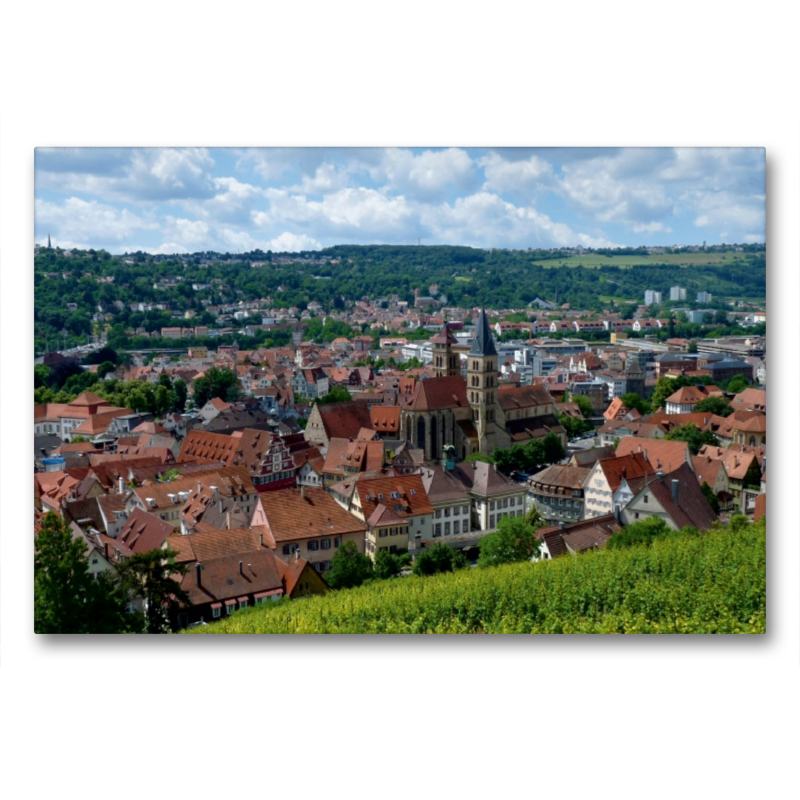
x=706 y=584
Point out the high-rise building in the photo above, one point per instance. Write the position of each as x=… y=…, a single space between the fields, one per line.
x=703 y=297
x=677 y=293
x=651 y=297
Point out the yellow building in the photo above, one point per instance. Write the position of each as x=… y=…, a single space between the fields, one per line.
x=386 y=531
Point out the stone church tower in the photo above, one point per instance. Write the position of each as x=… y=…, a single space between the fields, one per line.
x=482 y=371
x=446 y=363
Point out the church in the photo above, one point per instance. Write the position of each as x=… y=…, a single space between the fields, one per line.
x=476 y=414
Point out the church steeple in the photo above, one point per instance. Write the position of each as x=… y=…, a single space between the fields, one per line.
x=48 y=242
x=482 y=384
x=446 y=363
x=483 y=343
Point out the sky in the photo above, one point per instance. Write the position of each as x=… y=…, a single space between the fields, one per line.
x=177 y=200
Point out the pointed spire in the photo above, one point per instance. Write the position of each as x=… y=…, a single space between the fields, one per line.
x=48 y=242
x=483 y=343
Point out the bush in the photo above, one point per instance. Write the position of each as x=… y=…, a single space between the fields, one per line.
x=439 y=558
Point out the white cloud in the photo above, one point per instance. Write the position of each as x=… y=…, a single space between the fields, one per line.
x=524 y=175
x=427 y=176
x=79 y=220
x=292 y=243
x=486 y=220
x=149 y=174
x=651 y=227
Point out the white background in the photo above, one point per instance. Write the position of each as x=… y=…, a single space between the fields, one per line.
x=391 y=717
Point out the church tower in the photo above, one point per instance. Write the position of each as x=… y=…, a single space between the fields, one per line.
x=446 y=363
x=482 y=371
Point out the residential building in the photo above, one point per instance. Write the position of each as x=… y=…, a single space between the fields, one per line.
x=662 y=455
x=651 y=297
x=306 y=521
x=557 y=492
x=674 y=497
x=605 y=478
x=576 y=537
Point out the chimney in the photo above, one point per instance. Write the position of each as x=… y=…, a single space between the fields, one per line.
x=645 y=455
x=197 y=569
x=241 y=571
x=640 y=448
x=120 y=485
x=675 y=484
x=297 y=553
x=303 y=492
x=660 y=476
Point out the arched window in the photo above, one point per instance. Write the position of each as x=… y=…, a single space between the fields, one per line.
x=434 y=437
x=421 y=433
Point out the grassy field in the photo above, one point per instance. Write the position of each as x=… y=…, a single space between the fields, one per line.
x=689 y=584
x=679 y=259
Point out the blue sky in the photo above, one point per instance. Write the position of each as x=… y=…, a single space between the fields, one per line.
x=167 y=200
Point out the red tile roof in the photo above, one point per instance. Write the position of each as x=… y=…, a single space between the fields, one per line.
x=290 y=516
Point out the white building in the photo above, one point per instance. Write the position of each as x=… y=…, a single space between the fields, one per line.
x=677 y=293
x=651 y=297
x=704 y=297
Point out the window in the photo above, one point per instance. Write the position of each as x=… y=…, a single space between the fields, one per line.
x=243 y=603
x=383 y=532
x=337 y=540
x=94 y=561
x=288 y=549
x=216 y=613
x=465 y=510
x=447 y=529
x=230 y=608
x=313 y=546
x=505 y=502
x=447 y=512
x=326 y=544
x=438 y=529
x=438 y=513
x=456 y=526
x=491 y=520
x=646 y=500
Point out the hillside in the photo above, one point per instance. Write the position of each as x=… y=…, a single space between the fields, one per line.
x=339 y=275
x=708 y=584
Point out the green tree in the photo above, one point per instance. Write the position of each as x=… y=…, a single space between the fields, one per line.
x=736 y=384
x=584 y=404
x=217 y=382
x=179 y=388
x=514 y=540
x=337 y=394
x=574 y=426
x=633 y=401
x=349 y=568
x=67 y=599
x=715 y=405
x=439 y=558
x=693 y=436
x=150 y=576
x=642 y=532
x=711 y=497
x=553 y=449
x=387 y=564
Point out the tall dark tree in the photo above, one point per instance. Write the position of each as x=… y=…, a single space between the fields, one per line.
x=150 y=576
x=67 y=599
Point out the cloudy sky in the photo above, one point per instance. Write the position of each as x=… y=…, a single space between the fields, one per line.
x=186 y=200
